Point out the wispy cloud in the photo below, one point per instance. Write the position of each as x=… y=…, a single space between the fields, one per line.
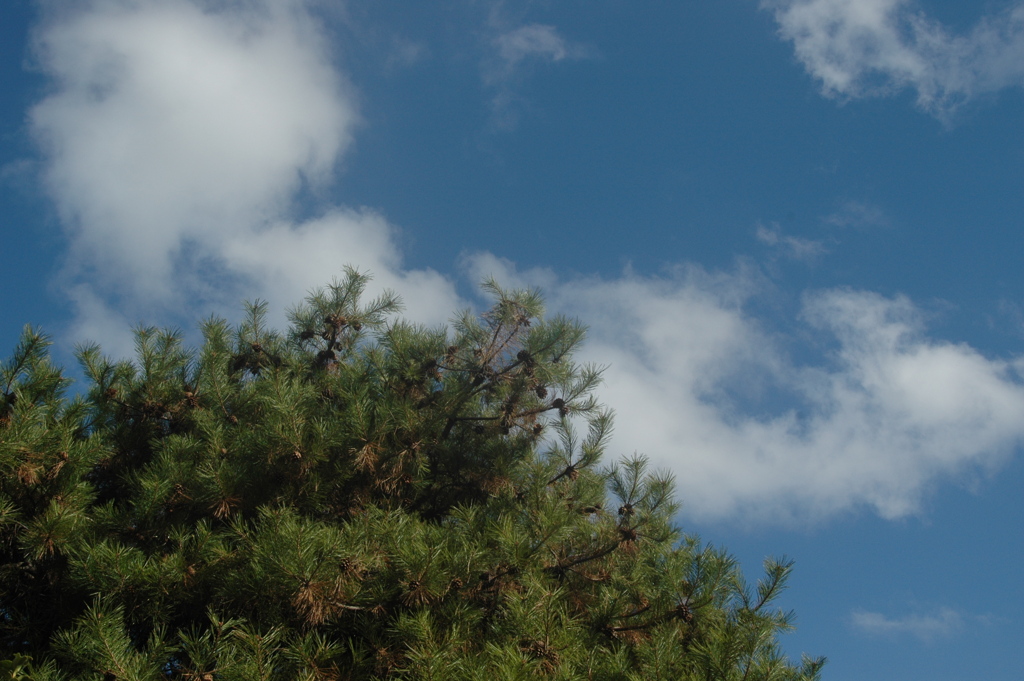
x=940 y=624
x=858 y=48
x=402 y=53
x=792 y=246
x=513 y=52
x=533 y=40
x=857 y=214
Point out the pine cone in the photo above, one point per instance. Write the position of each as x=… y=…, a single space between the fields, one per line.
x=683 y=612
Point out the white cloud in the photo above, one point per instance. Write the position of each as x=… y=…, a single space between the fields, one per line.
x=177 y=137
x=941 y=624
x=701 y=387
x=859 y=48
x=286 y=259
x=178 y=133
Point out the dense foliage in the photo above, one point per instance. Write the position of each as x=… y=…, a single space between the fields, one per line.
x=360 y=498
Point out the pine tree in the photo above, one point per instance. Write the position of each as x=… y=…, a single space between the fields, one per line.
x=358 y=498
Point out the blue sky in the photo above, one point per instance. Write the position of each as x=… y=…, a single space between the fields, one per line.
x=794 y=227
